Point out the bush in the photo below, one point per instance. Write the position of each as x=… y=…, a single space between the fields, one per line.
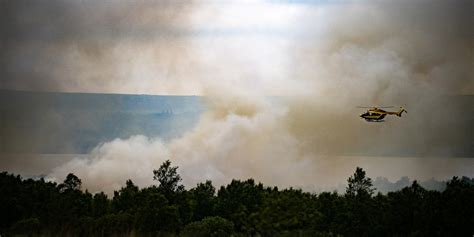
x=28 y=226
x=210 y=226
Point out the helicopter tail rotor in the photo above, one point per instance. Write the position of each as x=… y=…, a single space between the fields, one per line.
x=399 y=113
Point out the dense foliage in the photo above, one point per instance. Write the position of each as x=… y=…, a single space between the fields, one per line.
x=242 y=208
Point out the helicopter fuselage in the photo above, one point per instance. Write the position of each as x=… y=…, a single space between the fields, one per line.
x=369 y=116
x=377 y=115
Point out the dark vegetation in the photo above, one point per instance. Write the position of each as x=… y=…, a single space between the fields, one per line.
x=242 y=208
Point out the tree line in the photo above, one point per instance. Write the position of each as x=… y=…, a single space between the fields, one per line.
x=242 y=208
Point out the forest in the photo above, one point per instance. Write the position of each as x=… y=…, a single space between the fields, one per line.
x=36 y=207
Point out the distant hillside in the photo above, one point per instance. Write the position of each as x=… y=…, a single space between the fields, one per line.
x=37 y=122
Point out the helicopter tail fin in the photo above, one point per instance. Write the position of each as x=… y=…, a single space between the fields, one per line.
x=399 y=113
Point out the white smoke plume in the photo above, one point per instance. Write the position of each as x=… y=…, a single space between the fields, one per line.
x=321 y=60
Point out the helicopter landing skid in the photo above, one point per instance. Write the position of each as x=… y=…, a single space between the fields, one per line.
x=375 y=121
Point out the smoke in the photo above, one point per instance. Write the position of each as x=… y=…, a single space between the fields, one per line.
x=278 y=48
x=92 y=46
x=281 y=79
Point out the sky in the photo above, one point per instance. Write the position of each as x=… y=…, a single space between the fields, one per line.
x=321 y=58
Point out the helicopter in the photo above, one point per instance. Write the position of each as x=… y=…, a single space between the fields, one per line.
x=377 y=114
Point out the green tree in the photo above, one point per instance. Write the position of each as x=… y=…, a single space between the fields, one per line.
x=71 y=182
x=156 y=214
x=168 y=178
x=126 y=198
x=359 y=205
x=100 y=204
x=238 y=201
x=243 y=208
x=458 y=209
x=203 y=200
x=118 y=224
x=333 y=208
x=28 y=227
x=11 y=206
x=359 y=184
x=210 y=226
x=288 y=212
x=402 y=205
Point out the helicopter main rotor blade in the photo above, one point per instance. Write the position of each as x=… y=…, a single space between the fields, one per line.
x=369 y=107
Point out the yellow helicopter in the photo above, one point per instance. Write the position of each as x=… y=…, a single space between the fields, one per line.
x=377 y=114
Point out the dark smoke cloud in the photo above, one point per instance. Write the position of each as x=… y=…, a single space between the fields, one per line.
x=75 y=45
